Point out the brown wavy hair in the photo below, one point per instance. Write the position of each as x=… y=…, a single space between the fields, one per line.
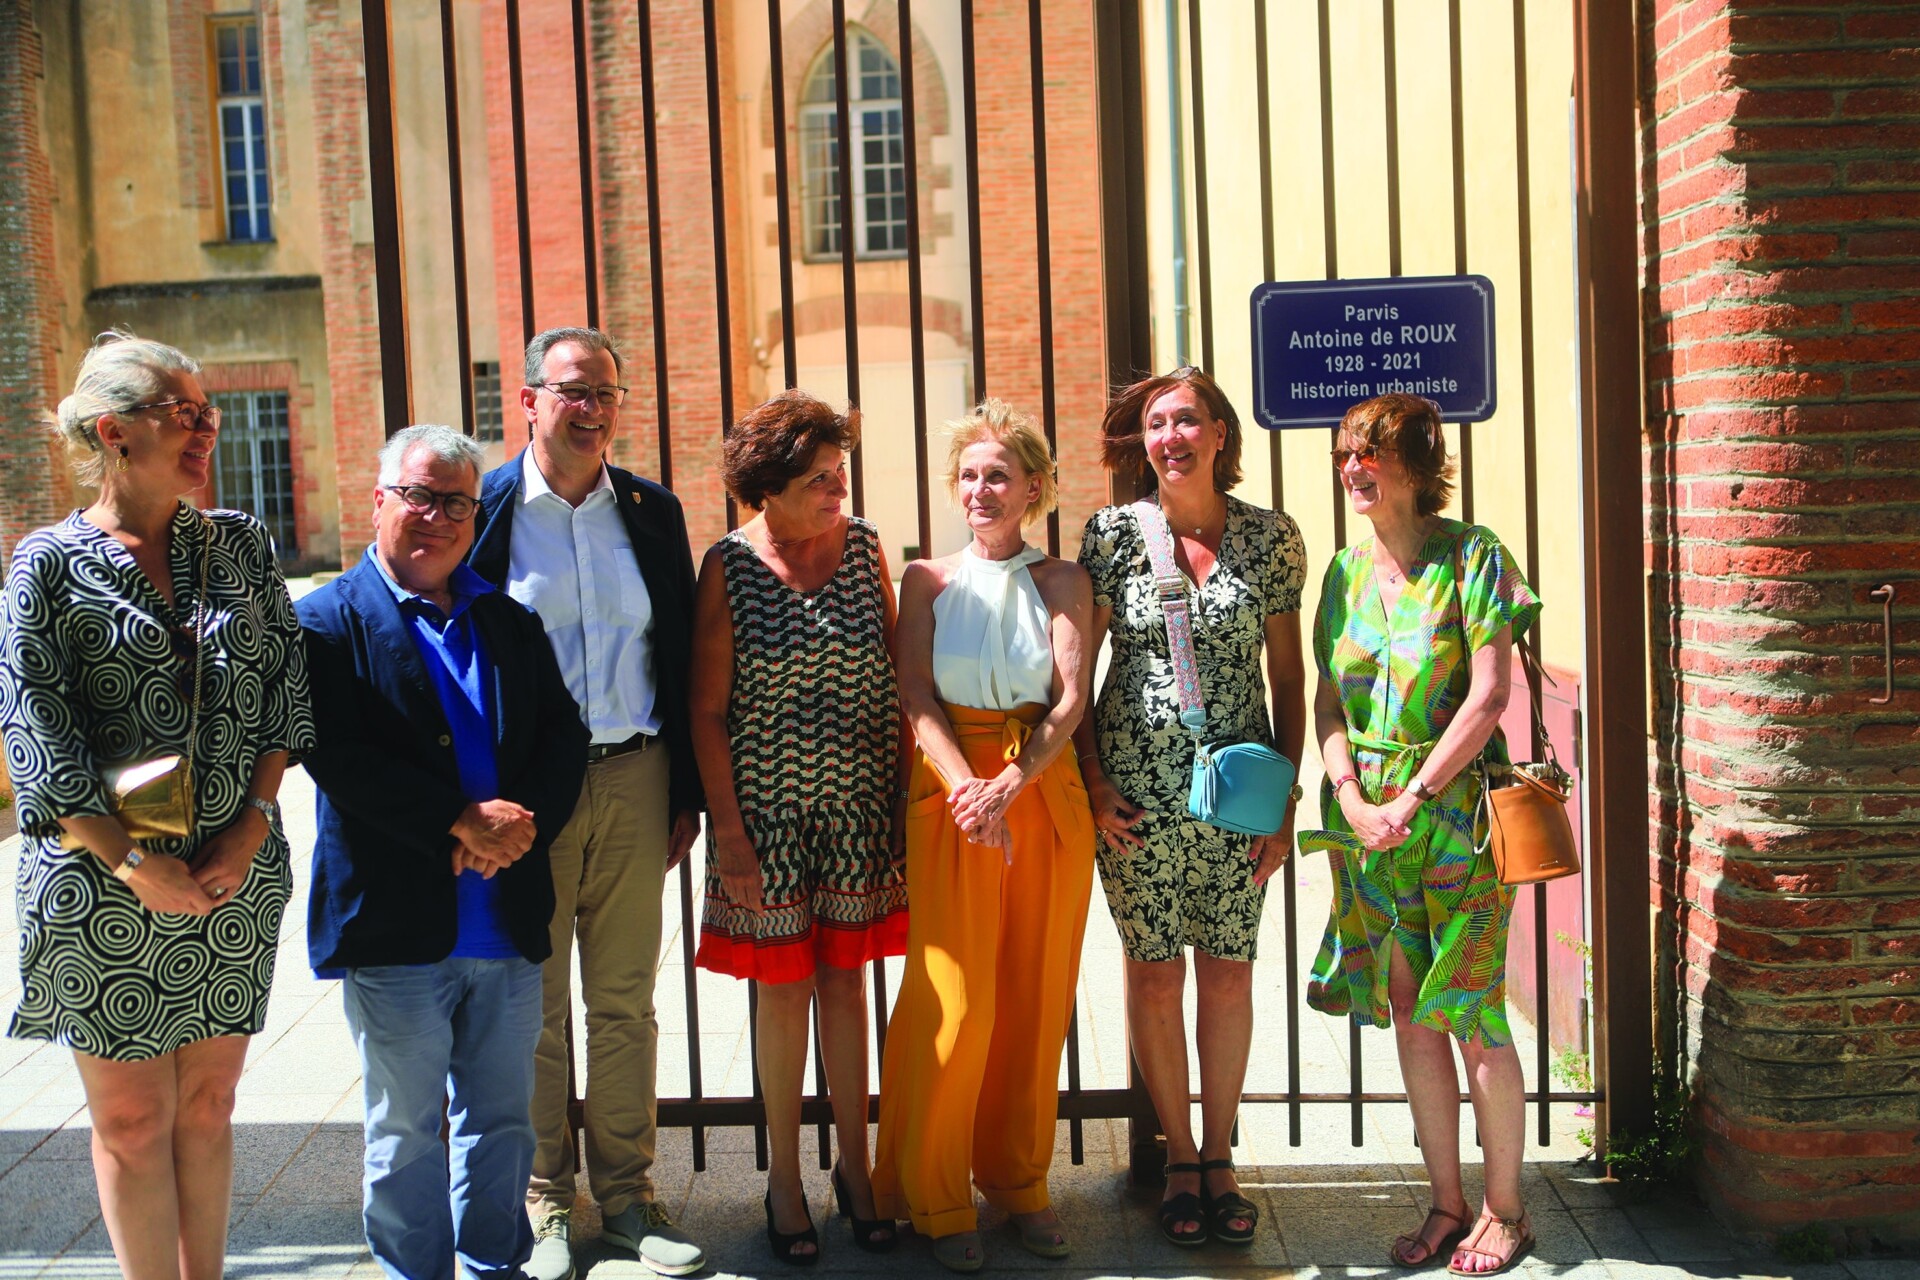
x=775 y=441
x=1409 y=426
x=1122 y=431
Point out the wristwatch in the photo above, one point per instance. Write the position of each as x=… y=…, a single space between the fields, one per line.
x=128 y=865
x=1420 y=788
x=1294 y=795
x=267 y=807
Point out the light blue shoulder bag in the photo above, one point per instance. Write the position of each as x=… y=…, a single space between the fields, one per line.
x=1237 y=786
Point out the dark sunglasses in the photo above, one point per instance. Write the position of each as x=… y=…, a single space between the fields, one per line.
x=1368 y=455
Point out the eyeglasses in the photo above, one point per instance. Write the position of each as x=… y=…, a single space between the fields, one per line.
x=189 y=414
x=609 y=397
x=1367 y=455
x=420 y=500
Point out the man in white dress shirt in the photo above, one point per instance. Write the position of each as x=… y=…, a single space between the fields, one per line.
x=602 y=556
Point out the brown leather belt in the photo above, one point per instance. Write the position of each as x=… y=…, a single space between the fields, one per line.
x=599 y=751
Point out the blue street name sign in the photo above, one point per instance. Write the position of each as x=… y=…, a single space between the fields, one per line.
x=1322 y=346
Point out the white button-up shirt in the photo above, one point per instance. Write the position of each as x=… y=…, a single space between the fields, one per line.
x=575 y=567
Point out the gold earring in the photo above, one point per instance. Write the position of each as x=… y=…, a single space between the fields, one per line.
x=120 y=463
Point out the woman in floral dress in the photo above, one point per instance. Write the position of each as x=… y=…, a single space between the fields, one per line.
x=1414 y=642
x=1173 y=882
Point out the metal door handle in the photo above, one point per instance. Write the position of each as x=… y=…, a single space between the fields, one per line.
x=1885 y=596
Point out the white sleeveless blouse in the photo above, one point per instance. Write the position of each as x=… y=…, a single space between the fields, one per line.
x=991 y=642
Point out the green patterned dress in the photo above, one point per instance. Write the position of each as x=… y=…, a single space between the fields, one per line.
x=1400 y=679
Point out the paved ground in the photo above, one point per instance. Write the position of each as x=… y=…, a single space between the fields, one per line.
x=1329 y=1208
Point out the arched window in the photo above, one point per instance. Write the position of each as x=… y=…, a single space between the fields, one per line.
x=879 y=154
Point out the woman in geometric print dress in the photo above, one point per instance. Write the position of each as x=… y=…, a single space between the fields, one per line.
x=796 y=723
x=1414 y=643
x=151 y=962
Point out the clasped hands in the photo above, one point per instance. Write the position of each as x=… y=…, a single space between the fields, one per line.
x=490 y=836
x=980 y=806
x=1379 y=826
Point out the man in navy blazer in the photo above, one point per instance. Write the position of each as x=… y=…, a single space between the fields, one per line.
x=602 y=556
x=449 y=756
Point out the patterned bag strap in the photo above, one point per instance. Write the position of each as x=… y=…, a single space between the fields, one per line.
x=1172 y=591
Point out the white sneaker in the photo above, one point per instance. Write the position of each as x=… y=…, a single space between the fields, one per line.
x=552 y=1246
x=649 y=1232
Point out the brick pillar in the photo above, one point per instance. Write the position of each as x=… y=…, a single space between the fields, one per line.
x=346 y=238
x=33 y=482
x=1782 y=163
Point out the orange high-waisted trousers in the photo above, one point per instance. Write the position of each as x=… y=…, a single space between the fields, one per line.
x=969 y=1087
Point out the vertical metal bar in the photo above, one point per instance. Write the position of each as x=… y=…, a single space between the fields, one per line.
x=1076 y=1135
x=916 y=325
x=776 y=49
x=523 y=223
x=880 y=1010
x=716 y=168
x=1458 y=115
x=971 y=108
x=1276 y=467
x=759 y=1093
x=823 y=1131
x=1043 y=242
x=1353 y=1079
x=1605 y=95
x=1203 y=247
x=695 y=1088
x=583 y=123
x=457 y=216
x=1329 y=214
x=1289 y=890
x=1126 y=303
x=656 y=279
x=389 y=260
x=1390 y=58
x=849 y=293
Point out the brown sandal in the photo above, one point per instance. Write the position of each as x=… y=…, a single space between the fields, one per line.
x=1516 y=1229
x=1398 y=1255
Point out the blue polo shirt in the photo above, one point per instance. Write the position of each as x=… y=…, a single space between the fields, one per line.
x=462 y=676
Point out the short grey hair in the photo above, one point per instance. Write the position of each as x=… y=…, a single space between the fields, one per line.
x=444 y=443
x=118 y=372
x=591 y=339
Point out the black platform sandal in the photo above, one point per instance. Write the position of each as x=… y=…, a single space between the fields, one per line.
x=866 y=1231
x=1223 y=1210
x=782 y=1242
x=1184 y=1207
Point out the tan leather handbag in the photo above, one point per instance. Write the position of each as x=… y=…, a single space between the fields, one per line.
x=1524 y=818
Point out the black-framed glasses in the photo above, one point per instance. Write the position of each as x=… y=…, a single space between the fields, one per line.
x=190 y=414
x=420 y=500
x=608 y=397
x=1367 y=455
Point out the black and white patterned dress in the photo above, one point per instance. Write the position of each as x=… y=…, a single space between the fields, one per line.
x=96 y=670
x=814 y=728
x=1192 y=886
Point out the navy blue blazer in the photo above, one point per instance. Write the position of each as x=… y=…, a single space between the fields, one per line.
x=658 y=529
x=389 y=785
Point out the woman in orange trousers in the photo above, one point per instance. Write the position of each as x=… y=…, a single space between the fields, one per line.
x=992 y=656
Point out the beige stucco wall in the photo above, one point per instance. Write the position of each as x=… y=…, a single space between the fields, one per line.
x=1362 y=235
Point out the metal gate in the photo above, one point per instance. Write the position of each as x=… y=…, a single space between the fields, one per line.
x=1085 y=64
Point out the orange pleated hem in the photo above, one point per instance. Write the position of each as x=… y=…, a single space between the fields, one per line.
x=791 y=959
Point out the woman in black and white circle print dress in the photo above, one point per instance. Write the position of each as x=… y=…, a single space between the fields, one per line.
x=150 y=961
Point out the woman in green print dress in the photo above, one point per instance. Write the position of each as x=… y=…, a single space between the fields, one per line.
x=1414 y=642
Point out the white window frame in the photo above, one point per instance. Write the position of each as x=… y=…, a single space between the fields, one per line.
x=875 y=123
x=249 y=220
x=258 y=425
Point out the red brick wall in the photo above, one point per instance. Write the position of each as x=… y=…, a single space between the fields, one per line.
x=1010 y=325
x=1782 y=159
x=33 y=476
x=353 y=335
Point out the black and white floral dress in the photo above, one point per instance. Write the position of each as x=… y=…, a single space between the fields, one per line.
x=1192 y=885
x=96 y=670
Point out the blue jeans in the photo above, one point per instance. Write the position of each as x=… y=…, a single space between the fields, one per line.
x=458 y=1034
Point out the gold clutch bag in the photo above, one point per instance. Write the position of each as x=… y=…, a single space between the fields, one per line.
x=151 y=798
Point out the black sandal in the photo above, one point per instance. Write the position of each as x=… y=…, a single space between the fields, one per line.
x=866 y=1231
x=1224 y=1209
x=1184 y=1207
x=782 y=1242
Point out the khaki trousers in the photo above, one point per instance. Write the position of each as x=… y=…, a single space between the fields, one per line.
x=609 y=864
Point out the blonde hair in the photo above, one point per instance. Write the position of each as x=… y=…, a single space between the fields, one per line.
x=118 y=372
x=1000 y=422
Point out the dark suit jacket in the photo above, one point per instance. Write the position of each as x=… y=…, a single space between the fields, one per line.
x=658 y=529
x=389 y=786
